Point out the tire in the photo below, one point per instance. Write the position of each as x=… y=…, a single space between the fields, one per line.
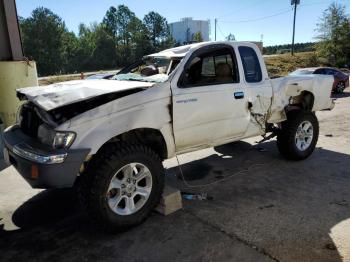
x=340 y=87
x=289 y=145
x=114 y=163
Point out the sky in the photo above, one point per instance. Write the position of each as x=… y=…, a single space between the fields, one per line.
x=248 y=20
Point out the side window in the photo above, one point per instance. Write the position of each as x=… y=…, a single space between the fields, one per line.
x=319 y=71
x=332 y=72
x=251 y=64
x=210 y=68
x=329 y=71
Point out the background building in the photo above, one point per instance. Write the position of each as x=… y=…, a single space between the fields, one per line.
x=184 y=31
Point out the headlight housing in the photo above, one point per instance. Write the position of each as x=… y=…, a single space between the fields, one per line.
x=63 y=139
x=56 y=139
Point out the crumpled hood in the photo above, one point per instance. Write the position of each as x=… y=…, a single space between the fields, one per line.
x=65 y=93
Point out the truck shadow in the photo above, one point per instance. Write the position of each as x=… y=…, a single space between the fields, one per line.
x=47 y=207
x=287 y=209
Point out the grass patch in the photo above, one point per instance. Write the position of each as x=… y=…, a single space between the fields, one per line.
x=281 y=65
x=56 y=79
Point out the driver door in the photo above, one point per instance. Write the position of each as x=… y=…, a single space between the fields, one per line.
x=209 y=102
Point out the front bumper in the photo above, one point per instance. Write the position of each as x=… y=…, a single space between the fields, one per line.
x=38 y=164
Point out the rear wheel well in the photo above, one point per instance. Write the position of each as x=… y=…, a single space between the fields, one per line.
x=152 y=138
x=304 y=101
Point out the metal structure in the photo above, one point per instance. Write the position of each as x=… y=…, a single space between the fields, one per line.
x=216 y=23
x=184 y=30
x=15 y=70
x=10 y=44
x=295 y=3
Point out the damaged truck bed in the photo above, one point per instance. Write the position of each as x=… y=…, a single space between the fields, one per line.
x=110 y=136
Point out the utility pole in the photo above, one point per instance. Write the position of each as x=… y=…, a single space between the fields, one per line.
x=295 y=3
x=216 y=21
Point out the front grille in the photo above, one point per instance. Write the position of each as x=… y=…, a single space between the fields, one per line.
x=30 y=121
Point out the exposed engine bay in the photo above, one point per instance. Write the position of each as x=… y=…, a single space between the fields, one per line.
x=32 y=116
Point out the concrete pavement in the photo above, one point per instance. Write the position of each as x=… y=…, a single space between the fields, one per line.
x=274 y=210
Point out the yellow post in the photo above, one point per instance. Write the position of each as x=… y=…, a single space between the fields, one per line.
x=13 y=75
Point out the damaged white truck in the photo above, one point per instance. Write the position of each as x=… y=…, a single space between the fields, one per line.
x=111 y=136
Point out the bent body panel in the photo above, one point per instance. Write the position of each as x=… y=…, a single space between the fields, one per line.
x=146 y=109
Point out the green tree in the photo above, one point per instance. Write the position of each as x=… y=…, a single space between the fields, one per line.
x=110 y=21
x=231 y=37
x=158 y=29
x=104 y=52
x=70 y=45
x=141 y=41
x=129 y=34
x=125 y=25
x=118 y=40
x=198 y=37
x=334 y=35
x=96 y=48
x=86 y=45
x=43 y=35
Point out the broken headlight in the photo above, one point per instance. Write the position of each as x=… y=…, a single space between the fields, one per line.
x=56 y=139
x=63 y=139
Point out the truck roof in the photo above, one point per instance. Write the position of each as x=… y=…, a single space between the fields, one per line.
x=182 y=51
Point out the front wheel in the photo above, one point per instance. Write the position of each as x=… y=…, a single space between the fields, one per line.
x=123 y=184
x=298 y=136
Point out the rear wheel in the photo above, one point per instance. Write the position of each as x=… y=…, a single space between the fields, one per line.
x=123 y=184
x=298 y=136
x=340 y=87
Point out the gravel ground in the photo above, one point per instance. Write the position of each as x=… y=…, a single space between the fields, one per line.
x=273 y=210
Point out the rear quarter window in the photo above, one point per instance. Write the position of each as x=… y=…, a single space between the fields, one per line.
x=251 y=64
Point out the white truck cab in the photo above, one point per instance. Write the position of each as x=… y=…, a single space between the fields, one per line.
x=110 y=136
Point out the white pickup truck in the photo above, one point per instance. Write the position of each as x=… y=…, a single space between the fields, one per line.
x=111 y=136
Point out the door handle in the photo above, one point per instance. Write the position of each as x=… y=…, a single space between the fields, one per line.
x=239 y=95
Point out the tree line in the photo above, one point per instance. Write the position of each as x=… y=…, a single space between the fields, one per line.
x=119 y=39
x=286 y=48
